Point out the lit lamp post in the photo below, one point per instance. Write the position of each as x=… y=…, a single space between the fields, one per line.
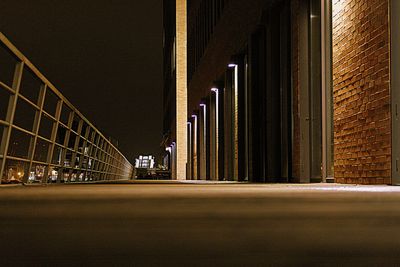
x=233 y=65
x=189 y=152
x=216 y=134
x=203 y=153
x=194 y=162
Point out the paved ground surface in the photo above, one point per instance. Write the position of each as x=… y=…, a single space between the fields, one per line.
x=200 y=225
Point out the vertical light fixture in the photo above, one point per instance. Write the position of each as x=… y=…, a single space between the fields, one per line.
x=189 y=152
x=194 y=147
x=216 y=91
x=203 y=153
x=235 y=111
x=181 y=88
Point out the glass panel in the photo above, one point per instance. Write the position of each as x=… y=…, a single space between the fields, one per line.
x=75 y=123
x=1 y=136
x=93 y=152
x=24 y=115
x=81 y=143
x=41 y=150
x=65 y=175
x=53 y=175
x=89 y=165
x=68 y=158
x=82 y=176
x=97 y=139
x=71 y=141
x=95 y=176
x=84 y=129
x=4 y=99
x=74 y=176
x=7 y=65
x=92 y=135
x=46 y=127
x=30 y=85
x=57 y=155
x=65 y=112
x=84 y=163
x=50 y=102
x=86 y=150
x=36 y=174
x=77 y=160
x=94 y=165
x=19 y=144
x=15 y=172
x=61 y=132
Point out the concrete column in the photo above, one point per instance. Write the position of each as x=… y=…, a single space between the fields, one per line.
x=181 y=89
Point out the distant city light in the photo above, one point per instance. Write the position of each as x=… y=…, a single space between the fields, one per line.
x=145 y=162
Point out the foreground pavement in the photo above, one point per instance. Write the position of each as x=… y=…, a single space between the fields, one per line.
x=200 y=225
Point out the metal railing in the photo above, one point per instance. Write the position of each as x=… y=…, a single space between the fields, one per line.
x=43 y=137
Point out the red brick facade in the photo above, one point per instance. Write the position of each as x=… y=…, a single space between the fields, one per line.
x=362 y=125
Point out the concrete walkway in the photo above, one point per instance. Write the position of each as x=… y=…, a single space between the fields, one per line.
x=190 y=224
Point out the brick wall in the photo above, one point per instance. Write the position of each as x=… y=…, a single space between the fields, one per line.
x=362 y=129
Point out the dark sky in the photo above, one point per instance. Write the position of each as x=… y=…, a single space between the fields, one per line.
x=105 y=56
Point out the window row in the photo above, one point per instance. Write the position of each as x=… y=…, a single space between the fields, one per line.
x=201 y=30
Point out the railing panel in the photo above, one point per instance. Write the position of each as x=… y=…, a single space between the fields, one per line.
x=44 y=138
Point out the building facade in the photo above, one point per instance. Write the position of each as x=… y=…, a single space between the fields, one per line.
x=293 y=90
x=43 y=137
x=175 y=87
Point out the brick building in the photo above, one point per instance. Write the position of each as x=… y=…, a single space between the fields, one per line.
x=290 y=90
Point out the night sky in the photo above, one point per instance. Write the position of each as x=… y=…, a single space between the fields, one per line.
x=105 y=56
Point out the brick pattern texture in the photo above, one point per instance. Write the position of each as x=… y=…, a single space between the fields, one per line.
x=361 y=81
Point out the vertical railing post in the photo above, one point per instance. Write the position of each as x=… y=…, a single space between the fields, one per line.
x=36 y=126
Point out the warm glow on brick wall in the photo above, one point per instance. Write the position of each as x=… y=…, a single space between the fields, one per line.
x=361 y=91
